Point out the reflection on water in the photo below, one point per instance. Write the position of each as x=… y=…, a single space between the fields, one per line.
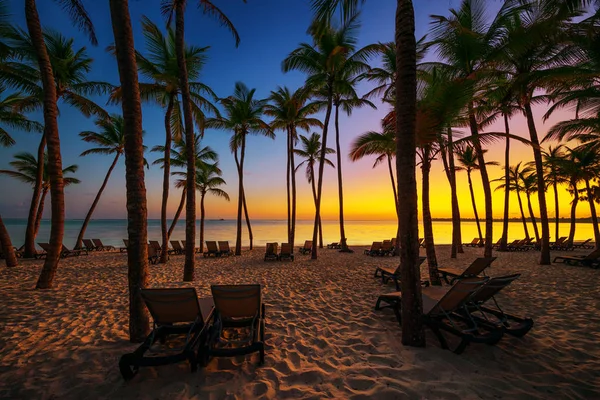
x=358 y=232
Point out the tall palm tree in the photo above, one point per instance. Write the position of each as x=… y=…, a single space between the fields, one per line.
x=243 y=116
x=110 y=140
x=311 y=152
x=553 y=159
x=515 y=185
x=468 y=161
x=529 y=183
x=25 y=170
x=587 y=160
x=177 y=7
x=137 y=226
x=291 y=111
x=572 y=175
x=69 y=67
x=208 y=180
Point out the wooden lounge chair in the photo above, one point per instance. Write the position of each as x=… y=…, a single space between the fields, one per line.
x=124 y=249
x=153 y=254
x=69 y=253
x=271 y=252
x=477 y=267
x=224 y=249
x=334 y=245
x=176 y=311
x=286 y=252
x=238 y=308
x=307 y=248
x=374 y=250
x=387 y=248
x=64 y=252
x=496 y=317
x=390 y=273
x=177 y=248
x=474 y=243
x=98 y=243
x=444 y=314
x=89 y=245
x=583 y=245
x=590 y=260
x=211 y=249
x=196 y=249
x=41 y=254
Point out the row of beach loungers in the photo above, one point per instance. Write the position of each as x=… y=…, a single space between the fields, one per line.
x=89 y=245
x=461 y=309
x=560 y=245
x=383 y=248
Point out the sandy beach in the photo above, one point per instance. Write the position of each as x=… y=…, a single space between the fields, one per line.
x=324 y=338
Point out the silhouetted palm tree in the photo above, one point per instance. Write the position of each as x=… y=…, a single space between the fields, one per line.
x=208 y=180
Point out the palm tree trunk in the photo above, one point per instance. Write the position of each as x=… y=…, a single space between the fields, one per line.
x=573 y=209
x=6 y=245
x=338 y=154
x=504 y=239
x=247 y=218
x=448 y=161
x=532 y=216
x=40 y=211
x=523 y=215
x=474 y=205
x=541 y=186
x=178 y=213
x=166 y=176
x=485 y=181
x=238 y=238
x=288 y=188
x=190 y=143
x=31 y=232
x=434 y=276
x=322 y=168
x=389 y=160
x=314 y=192
x=556 y=212
x=593 y=212
x=202 y=214
x=137 y=223
x=294 y=197
x=57 y=195
x=95 y=203
x=408 y=225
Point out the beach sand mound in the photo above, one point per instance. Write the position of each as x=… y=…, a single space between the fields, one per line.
x=324 y=339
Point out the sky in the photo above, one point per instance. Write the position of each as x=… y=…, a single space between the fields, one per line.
x=269 y=31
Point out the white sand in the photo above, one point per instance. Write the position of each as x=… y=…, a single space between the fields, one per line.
x=324 y=339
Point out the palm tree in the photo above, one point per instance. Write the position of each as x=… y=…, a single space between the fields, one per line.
x=572 y=175
x=12 y=107
x=587 y=160
x=208 y=180
x=110 y=140
x=25 y=170
x=529 y=183
x=243 y=117
x=468 y=161
x=68 y=70
x=311 y=152
x=291 y=111
x=515 y=185
x=177 y=7
x=137 y=226
x=553 y=160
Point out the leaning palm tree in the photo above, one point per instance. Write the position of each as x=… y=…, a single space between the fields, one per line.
x=529 y=183
x=291 y=111
x=515 y=185
x=177 y=8
x=110 y=140
x=311 y=152
x=553 y=160
x=243 y=116
x=468 y=161
x=572 y=175
x=587 y=160
x=137 y=223
x=208 y=180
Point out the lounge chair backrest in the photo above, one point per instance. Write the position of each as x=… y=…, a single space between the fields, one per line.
x=45 y=246
x=152 y=252
x=211 y=246
x=376 y=246
x=88 y=244
x=394 y=240
x=477 y=266
x=97 y=242
x=593 y=255
x=475 y=241
x=492 y=287
x=155 y=244
x=271 y=249
x=174 y=305
x=458 y=295
x=286 y=248
x=126 y=242
x=308 y=244
x=176 y=245
x=224 y=246
x=386 y=245
x=237 y=301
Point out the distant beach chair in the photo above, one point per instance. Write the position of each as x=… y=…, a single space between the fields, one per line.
x=271 y=252
x=334 y=245
x=445 y=314
x=477 y=267
x=153 y=254
x=154 y=244
x=590 y=260
x=474 y=243
x=386 y=248
x=176 y=311
x=102 y=247
x=211 y=249
x=307 y=248
x=43 y=253
x=69 y=253
x=239 y=322
x=224 y=249
x=287 y=253
x=196 y=249
x=582 y=245
x=124 y=249
x=177 y=248
x=89 y=245
x=374 y=250
x=496 y=317
x=64 y=252
x=390 y=273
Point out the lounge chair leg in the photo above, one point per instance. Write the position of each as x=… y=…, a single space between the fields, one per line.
x=440 y=337
x=125 y=366
x=462 y=346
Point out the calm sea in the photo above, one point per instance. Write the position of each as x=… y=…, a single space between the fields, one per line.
x=112 y=231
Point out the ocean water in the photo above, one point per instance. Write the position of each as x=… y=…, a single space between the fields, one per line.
x=113 y=231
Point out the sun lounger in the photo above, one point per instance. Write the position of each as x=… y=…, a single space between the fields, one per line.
x=286 y=252
x=334 y=245
x=374 y=250
x=224 y=249
x=307 y=248
x=124 y=249
x=443 y=314
x=64 y=252
x=590 y=260
x=211 y=249
x=475 y=269
x=239 y=322
x=387 y=249
x=474 y=243
x=388 y=273
x=583 y=245
x=271 y=252
x=41 y=254
x=176 y=311
x=177 y=248
x=89 y=245
x=100 y=246
x=152 y=254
